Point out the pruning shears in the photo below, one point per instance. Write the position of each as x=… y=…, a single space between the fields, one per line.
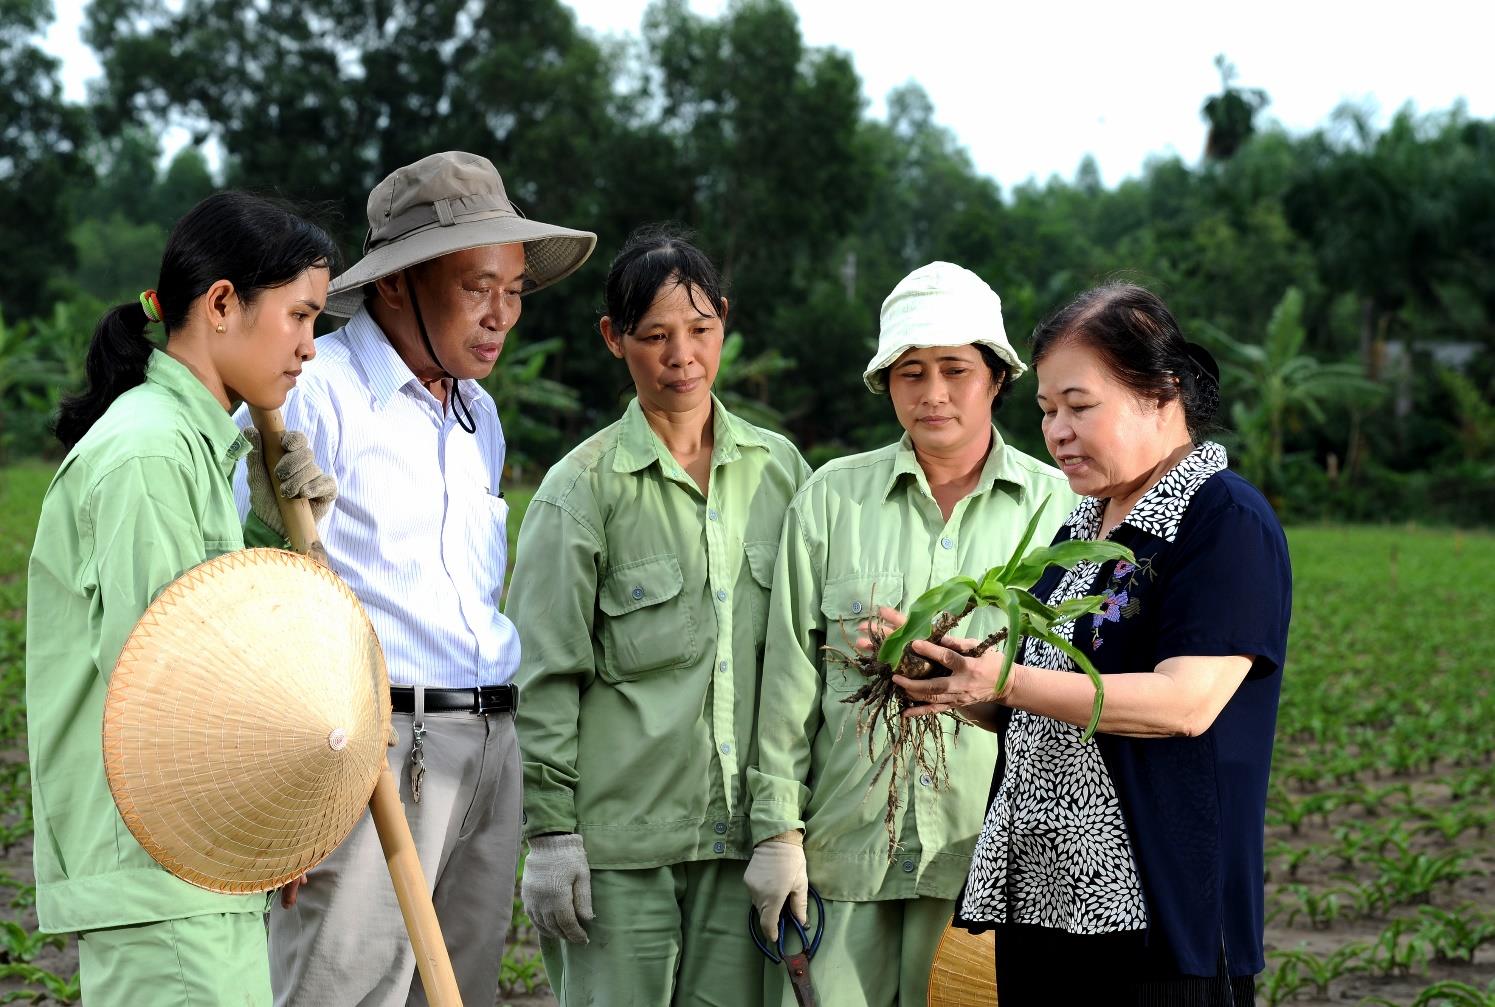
x=798 y=963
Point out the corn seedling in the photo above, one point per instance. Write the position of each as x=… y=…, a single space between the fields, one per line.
x=1397 y=952
x=1323 y=970
x=1451 y=823
x=17 y=944
x=936 y=613
x=1448 y=993
x=520 y=973
x=1283 y=809
x=1412 y=877
x=49 y=985
x=1455 y=935
x=1282 y=983
x=1319 y=909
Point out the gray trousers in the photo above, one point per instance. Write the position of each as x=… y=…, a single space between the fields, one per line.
x=344 y=942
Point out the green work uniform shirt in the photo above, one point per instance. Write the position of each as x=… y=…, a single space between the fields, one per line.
x=641 y=604
x=143 y=497
x=866 y=531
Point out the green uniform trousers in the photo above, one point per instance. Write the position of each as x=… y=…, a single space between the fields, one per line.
x=662 y=935
x=202 y=961
x=873 y=954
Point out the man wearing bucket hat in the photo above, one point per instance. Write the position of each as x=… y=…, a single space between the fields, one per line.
x=393 y=410
x=879 y=528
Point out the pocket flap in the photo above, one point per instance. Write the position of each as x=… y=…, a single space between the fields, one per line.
x=761 y=557
x=639 y=584
x=859 y=595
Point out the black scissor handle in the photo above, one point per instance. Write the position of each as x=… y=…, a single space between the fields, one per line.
x=777 y=952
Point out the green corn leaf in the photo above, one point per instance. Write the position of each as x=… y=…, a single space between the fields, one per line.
x=1032 y=606
x=991 y=590
x=951 y=596
x=1066 y=555
x=1076 y=607
x=1011 y=565
x=1014 y=609
x=1083 y=663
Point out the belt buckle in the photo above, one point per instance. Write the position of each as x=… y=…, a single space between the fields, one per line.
x=478 y=705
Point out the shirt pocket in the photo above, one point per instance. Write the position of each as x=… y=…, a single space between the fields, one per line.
x=761 y=557
x=647 y=626
x=845 y=602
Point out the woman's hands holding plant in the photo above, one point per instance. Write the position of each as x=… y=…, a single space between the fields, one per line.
x=971 y=684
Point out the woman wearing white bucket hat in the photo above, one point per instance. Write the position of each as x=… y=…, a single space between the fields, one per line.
x=948 y=498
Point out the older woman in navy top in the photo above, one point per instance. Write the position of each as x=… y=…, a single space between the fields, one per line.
x=1128 y=869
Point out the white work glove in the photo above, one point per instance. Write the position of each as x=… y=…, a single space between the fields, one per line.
x=298 y=474
x=557 y=886
x=776 y=873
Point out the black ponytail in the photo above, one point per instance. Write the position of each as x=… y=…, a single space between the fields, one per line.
x=117 y=357
x=253 y=242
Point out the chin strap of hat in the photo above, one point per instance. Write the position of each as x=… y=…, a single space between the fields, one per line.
x=460 y=411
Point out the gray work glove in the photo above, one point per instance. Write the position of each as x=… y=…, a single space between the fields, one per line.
x=775 y=874
x=298 y=474
x=557 y=886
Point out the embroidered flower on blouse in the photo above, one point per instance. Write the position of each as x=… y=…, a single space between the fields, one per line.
x=1110 y=609
x=1122 y=569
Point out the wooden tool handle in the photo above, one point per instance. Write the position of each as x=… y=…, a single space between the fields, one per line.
x=301 y=527
x=431 y=956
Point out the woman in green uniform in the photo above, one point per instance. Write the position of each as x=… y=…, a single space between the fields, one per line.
x=640 y=593
x=875 y=529
x=142 y=496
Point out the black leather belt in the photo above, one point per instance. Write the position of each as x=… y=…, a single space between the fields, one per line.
x=488 y=699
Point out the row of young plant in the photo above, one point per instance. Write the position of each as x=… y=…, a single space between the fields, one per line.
x=1381 y=828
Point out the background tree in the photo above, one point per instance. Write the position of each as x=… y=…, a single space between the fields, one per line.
x=42 y=141
x=1231 y=114
x=733 y=126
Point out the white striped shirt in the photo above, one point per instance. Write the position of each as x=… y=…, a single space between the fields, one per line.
x=418 y=527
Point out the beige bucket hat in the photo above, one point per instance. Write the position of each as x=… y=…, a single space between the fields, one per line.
x=940 y=304
x=445 y=203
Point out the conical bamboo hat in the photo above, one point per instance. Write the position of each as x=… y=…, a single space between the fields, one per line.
x=247 y=721
x=964 y=973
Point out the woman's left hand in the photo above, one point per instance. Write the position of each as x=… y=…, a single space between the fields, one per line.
x=972 y=680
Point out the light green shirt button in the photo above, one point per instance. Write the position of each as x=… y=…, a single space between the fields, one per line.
x=721 y=828
x=722 y=666
x=721 y=595
x=638 y=594
x=908 y=867
x=947 y=543
x=719 y=847
x=856 y=608
x=712 y=514
x=726 y=748
x=925 y=780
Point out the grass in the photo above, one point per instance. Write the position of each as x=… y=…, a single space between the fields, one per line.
x=1381 y=836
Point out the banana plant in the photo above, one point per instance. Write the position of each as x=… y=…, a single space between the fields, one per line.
x=1009 y=588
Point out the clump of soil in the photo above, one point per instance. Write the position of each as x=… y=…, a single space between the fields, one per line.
x=917 y=742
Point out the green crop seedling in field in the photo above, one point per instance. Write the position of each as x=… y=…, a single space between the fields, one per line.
x=936 y=613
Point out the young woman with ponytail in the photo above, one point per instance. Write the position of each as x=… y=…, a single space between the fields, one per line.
x=142 y=496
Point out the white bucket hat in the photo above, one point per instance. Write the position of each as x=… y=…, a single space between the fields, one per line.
x=445 y=203
x=940 y=304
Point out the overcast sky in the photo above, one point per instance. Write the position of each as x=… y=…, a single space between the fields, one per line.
x=1031 y=88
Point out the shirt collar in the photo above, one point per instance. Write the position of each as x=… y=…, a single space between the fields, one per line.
x=202 y=409
x=639 y=446
x=1161 y=509
x=384 y=370
x=998 y=467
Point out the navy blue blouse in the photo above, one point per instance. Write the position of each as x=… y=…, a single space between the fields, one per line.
x=1212 y=578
